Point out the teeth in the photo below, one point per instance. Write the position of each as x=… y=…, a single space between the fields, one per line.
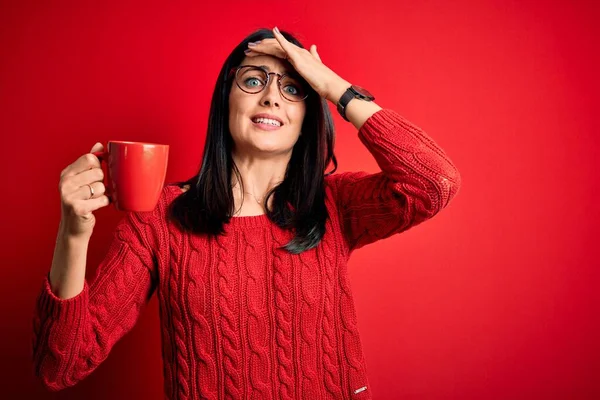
x=267 y=121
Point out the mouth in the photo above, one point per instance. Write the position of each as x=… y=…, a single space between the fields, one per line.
x=266 y=123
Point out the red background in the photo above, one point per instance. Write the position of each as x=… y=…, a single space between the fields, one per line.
x=495 y=298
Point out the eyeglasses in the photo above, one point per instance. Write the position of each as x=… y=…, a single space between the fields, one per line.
x=254 y=79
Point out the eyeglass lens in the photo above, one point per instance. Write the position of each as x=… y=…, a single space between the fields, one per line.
x=254 y=80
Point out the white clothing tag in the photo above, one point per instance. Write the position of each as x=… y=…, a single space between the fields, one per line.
x=362 y=389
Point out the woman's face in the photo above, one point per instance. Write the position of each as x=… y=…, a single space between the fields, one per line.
x=260 y=137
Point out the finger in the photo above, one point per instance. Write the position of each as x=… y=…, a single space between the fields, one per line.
x=272 y=49
x=313 y=51
x=283 y=42
x=83 y=163
x=87 y=177
x=97 y=147
x=97 y=203
x=84 y=208
x=71 y=184
x=97 y=190
x=85 y=192
x=252 y=51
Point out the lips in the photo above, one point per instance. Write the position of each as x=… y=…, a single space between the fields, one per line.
x=269 y=116
x=265 y=126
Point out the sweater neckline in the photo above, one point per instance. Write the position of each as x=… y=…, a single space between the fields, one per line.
x=246 y=221
x=249 y=221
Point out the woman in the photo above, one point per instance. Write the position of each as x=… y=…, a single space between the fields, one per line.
x=248 y=257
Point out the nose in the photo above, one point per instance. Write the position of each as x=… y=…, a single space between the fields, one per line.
x=270 y=95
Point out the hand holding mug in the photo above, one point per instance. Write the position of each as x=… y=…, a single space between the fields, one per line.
x=82 y=191
x=134 y=178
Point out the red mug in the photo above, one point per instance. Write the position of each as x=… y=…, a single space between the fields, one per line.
x=134 y=173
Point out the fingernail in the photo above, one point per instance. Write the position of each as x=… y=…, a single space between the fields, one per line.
x=252 y=44
x=277 y=30
x=247 y=51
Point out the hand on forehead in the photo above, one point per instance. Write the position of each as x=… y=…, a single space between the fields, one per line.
x=271 y=63
x=269 y=47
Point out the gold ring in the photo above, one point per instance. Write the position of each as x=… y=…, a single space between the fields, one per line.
x=91 y=191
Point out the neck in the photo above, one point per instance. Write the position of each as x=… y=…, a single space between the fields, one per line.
x=259 y=176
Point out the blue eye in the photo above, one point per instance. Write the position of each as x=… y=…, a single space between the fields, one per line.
x=294 y=90
x=253 y=82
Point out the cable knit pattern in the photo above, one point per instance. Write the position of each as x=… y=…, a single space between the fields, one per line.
x=283 y=321
x=258 y=341
x=202 y=330
x=307 y=329
x=331 y=377
x=178 y=328
x=228 y=318
x=241 y=318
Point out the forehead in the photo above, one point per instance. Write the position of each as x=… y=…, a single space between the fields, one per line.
x=271 y=63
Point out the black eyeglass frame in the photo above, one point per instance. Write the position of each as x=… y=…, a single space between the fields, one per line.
x=235 y=71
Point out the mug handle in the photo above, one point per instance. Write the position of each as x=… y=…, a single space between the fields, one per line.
x=103 y=157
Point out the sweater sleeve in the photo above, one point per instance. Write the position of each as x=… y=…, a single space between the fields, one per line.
x=73 y=336
x=416 y=181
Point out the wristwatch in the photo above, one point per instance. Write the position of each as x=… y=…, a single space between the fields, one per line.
x=351 y=93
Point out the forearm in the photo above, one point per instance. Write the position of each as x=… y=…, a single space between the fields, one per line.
x=76 y=326
x=357 y=111
x=416 y=181
x=67 y=274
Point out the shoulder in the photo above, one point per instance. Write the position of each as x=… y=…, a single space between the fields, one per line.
x=171 y=191
x=145 y=230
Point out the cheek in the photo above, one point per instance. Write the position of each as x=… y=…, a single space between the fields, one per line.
x=298 y=116
x=236 y=114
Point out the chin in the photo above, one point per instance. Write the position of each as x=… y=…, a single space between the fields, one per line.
x=274 y=150
x=268 y=147
x=265 y=143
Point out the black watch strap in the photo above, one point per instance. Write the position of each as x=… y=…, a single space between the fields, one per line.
x=348 y=95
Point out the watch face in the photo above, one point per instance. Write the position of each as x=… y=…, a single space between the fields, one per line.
x=363 y=92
